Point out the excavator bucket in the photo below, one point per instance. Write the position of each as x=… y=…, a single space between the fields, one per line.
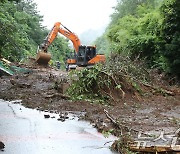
x=43 y=58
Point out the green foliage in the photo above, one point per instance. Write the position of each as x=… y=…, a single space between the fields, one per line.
x=21 y=32
x=16 y=42
x=102 y=82
x=147 y=30
x=137 y=36
x=86 y=84
x=102 y=45
x=119 y=34
x=170 y=10
x=107 y=133
x=28 y=15
x=137 y=87
x=13 y=42
x=128 y=7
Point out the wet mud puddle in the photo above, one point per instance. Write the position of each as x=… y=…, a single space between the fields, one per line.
x=30 y=131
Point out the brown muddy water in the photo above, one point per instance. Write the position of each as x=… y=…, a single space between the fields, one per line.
x=27 y=131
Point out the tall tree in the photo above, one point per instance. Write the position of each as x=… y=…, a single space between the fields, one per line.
x=171 y=33
x=14 y=42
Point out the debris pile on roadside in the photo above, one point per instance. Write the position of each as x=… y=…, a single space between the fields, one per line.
x=7 y=68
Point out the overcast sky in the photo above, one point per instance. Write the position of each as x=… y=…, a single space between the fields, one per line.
x=77 y=15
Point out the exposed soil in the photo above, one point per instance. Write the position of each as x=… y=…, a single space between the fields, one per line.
x=44 y=89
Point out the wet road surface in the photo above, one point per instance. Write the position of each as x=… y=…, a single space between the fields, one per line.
x=26 y=131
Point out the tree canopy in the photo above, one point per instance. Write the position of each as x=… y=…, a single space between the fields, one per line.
x=149 y=30
x=21 y=31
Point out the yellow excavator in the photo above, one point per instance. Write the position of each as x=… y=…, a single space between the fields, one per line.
x=84 y=55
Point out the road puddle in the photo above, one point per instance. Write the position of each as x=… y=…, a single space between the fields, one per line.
x=24 y=130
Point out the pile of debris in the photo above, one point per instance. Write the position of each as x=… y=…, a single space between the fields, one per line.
x=9 y=69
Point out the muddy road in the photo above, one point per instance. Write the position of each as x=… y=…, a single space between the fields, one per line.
x=44 y=89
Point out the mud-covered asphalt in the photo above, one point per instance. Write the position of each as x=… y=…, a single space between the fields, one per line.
x=44 y=89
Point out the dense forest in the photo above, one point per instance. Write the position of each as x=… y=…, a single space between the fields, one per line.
x=148 y=30
x=21 y=32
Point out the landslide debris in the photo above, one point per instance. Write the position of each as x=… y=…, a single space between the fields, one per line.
x=135 y=98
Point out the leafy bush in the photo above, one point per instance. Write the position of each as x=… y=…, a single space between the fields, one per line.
x=112 y=81
x=86 y=84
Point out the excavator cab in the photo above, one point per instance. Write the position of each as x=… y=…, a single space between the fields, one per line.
x=85 y=54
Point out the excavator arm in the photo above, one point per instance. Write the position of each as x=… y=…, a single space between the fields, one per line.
x=50 y=37
x=71 y=36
